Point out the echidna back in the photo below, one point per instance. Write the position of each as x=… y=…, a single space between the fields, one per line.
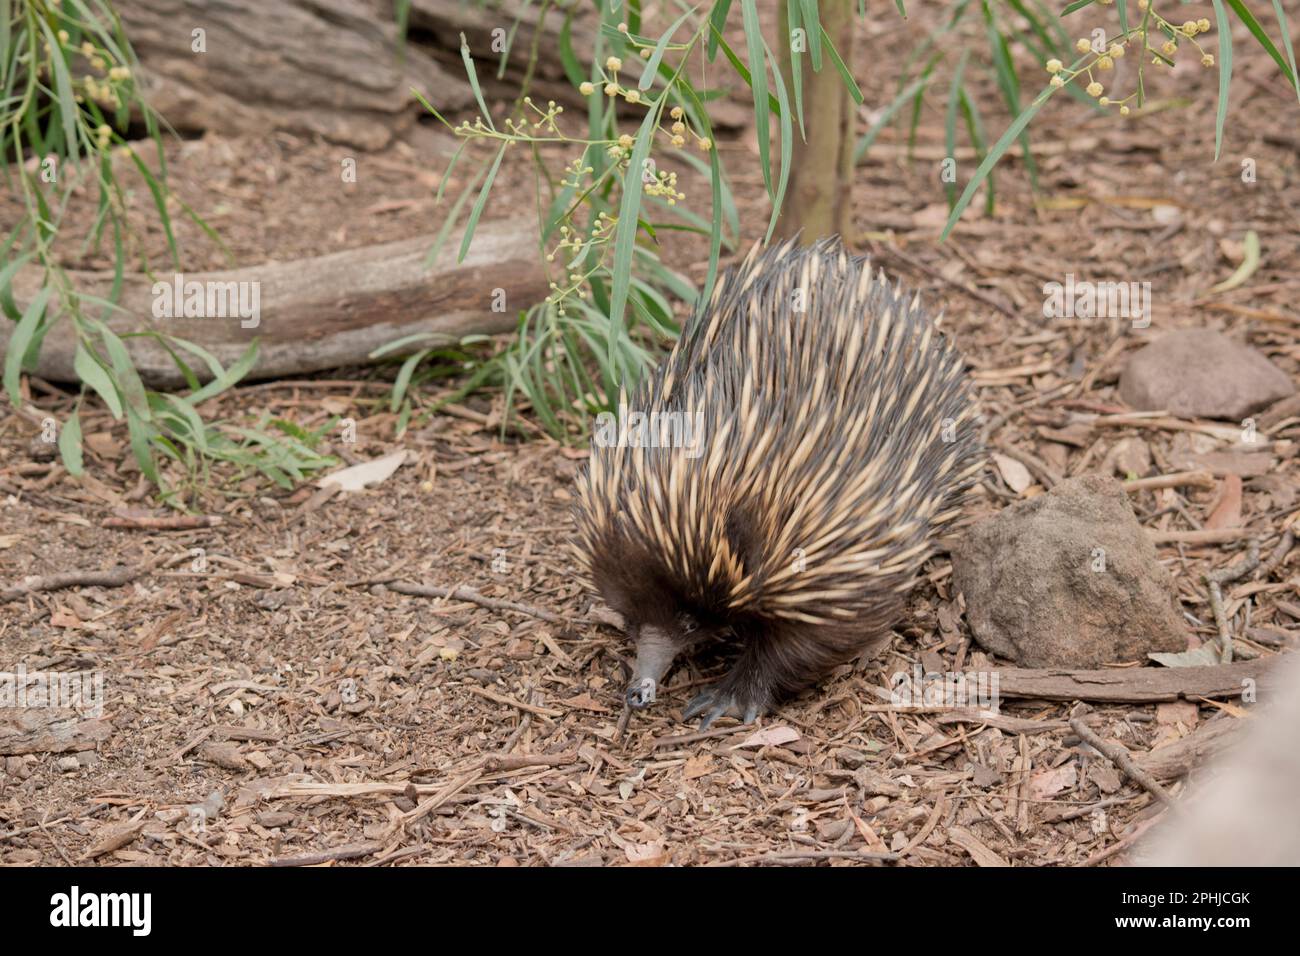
x=839 y=438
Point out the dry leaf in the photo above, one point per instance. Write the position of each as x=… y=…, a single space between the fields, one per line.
x=697 y=766
x=646 y=854
x=62 y=617
x=1015 y=474
x=1183 y=712
x=770 y=737
x=585 y=701
x=1207 y=655
x=104 y=445
x=373 y=472
x=980 y=853
x=1048 y=783
x=1227 y=510
x=116 y=835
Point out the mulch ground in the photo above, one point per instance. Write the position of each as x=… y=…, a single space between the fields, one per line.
x=269 y=669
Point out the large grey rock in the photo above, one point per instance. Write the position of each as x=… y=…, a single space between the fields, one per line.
x=1068 y=579
x=1199 y=373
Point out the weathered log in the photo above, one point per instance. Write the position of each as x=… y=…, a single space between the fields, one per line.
x=317 y=313
x=1136 y=685
x=330 y=67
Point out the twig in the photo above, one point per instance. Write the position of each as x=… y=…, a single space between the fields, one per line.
x=511 y=702
x=1122 y=759
x=467 y=594
x=519 y=731
x=624 y=719
x=1178 y=479
x=1086 y=810
x=696 y=738
x=58 y=847
x=1279 y=554
x=940 y=804
x=497 y=762
x=1215 y=536
x=438 y=799
x=1126 y=842
x=795 y=856
x=113 y=578
x=10 y=834
x=162 y=523
x=176 y=755
x=1215 y=579
x=328 y=856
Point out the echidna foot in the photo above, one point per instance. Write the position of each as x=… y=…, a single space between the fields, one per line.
x=718 y=702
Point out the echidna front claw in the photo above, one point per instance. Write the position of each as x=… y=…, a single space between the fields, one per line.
x=716 y=702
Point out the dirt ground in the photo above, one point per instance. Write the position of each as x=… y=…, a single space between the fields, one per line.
x=271 y=661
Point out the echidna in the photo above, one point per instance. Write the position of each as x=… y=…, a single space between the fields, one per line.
x=829 y=436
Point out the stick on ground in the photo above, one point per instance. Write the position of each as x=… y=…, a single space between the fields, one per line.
x=1122 y=759
x=113 y=578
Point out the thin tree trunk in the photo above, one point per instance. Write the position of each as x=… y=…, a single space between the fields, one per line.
x=819 y=198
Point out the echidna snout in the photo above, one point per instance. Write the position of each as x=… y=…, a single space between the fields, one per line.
x=656 y=648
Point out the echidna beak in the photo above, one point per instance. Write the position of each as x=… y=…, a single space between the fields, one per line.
x=655 y=651
x=641 y=695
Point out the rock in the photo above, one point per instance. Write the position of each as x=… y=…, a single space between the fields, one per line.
x=1199 y=373
x=1068 y=579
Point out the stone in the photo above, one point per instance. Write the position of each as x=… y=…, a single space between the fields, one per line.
x=1068 y=579
x=1200 y=373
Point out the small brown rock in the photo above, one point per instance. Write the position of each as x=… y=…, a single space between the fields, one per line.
x=1200 y=373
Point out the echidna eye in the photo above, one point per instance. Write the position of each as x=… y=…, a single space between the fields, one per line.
x=687 y=624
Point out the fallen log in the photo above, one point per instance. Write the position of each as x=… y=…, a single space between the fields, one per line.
x=333 y=68
x=1135 y=685
x=317 y=313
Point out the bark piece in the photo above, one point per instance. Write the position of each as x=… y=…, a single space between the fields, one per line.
x=327 y=67
x=1137 y=685
x=34 y=730
x=322 y=312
